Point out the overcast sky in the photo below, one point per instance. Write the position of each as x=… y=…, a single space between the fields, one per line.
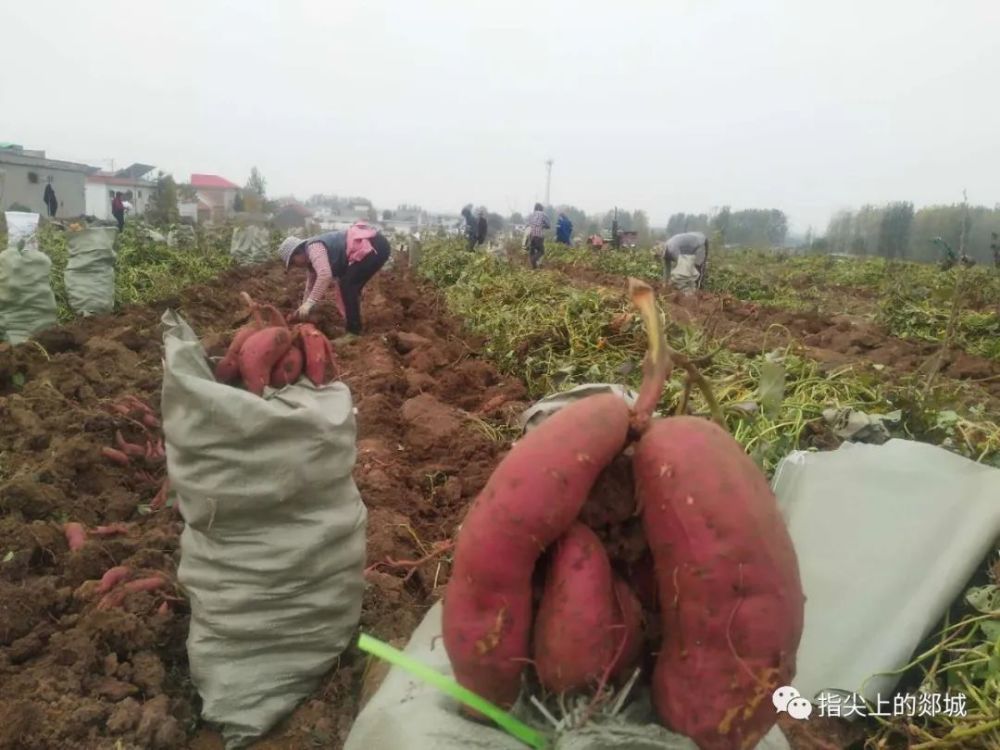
x=665 y=105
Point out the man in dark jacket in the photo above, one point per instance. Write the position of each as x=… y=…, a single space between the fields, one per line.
x=50 y=199
x=482 y=227
x=471 y=230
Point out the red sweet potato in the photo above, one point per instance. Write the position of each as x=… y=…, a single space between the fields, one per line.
x=260 y=352
x=115 y=456
x=228 y=368
x=113 y=529
x=320 y=364
x=575 y=635
x=160 y=499
x=76 y=535
x=112 y=578
x=628 y=635
x=129 y=449
x=530 y=500
x=728 y=578
x=288 y=369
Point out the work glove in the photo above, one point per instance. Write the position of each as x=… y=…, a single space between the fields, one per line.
x=303 y=312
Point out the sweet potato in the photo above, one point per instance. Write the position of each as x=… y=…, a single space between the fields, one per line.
x=728 y=579
x=129 y=449
x=260 y=352
x=160 y=499
x=530 y=500
x=113 y=529
x=288 y=369
x=628 y=635
x=76 y=535
x=228 y=368
x=574 y=637
x=112 y=577
x=115 y=456
x=320 y=364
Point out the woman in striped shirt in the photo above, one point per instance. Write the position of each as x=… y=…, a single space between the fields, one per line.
x=346 y=260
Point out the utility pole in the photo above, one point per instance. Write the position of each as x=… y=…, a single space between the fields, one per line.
x=548 y=182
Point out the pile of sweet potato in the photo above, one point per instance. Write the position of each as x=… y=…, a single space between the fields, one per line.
x=266 y=351
x=696 y=584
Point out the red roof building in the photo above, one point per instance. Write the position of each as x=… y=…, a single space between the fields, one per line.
x=212 y=181
x=216 y=192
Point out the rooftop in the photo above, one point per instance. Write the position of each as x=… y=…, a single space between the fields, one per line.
x=212 y=181
x=117 y=179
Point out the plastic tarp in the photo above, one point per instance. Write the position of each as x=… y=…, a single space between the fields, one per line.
x=251 y=244
x=274 y=544
x=27 y=304
x=90 y=272
x=887 y=537
x=535 y=414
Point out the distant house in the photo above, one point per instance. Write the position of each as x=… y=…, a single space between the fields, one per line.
x=131 y=182
x=24 y=174
x=216 y=196
x=292 y=216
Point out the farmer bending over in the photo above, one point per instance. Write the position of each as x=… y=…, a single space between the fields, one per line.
x=345 y=259
x=685 y=261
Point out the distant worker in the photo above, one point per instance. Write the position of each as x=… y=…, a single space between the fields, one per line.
x=49 y=198
x=538 y=222
x=685 y=261
x=471 y=230
x=995 y=247
x=951 y=257
x=118 y=210
x=346 y=259
x=564 y=229
x=482 y=227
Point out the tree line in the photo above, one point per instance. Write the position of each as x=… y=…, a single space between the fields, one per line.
x=898 y=232
x=748 y=226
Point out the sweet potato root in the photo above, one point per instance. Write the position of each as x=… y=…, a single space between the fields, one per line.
x=574 y=635
x=115 y=456
x=76 y=535
x=113 y=529
x=320 y=364
x=260 y=352
x=159 y=501
x=533 y=496
x=288 y=369
x=628 y=636
x=129 y=449
x=728 y=578
x=112 y=578
x=228 y=368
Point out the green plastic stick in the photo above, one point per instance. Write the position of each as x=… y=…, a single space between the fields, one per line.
x=508 y=723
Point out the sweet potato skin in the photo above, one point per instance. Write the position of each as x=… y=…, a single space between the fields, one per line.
x=628 y=633
x=575 y=635
x=532 y=497
x=729 y=589
x=260 y=352
x=228 y=368
x=320 y=366
x=288 y=368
